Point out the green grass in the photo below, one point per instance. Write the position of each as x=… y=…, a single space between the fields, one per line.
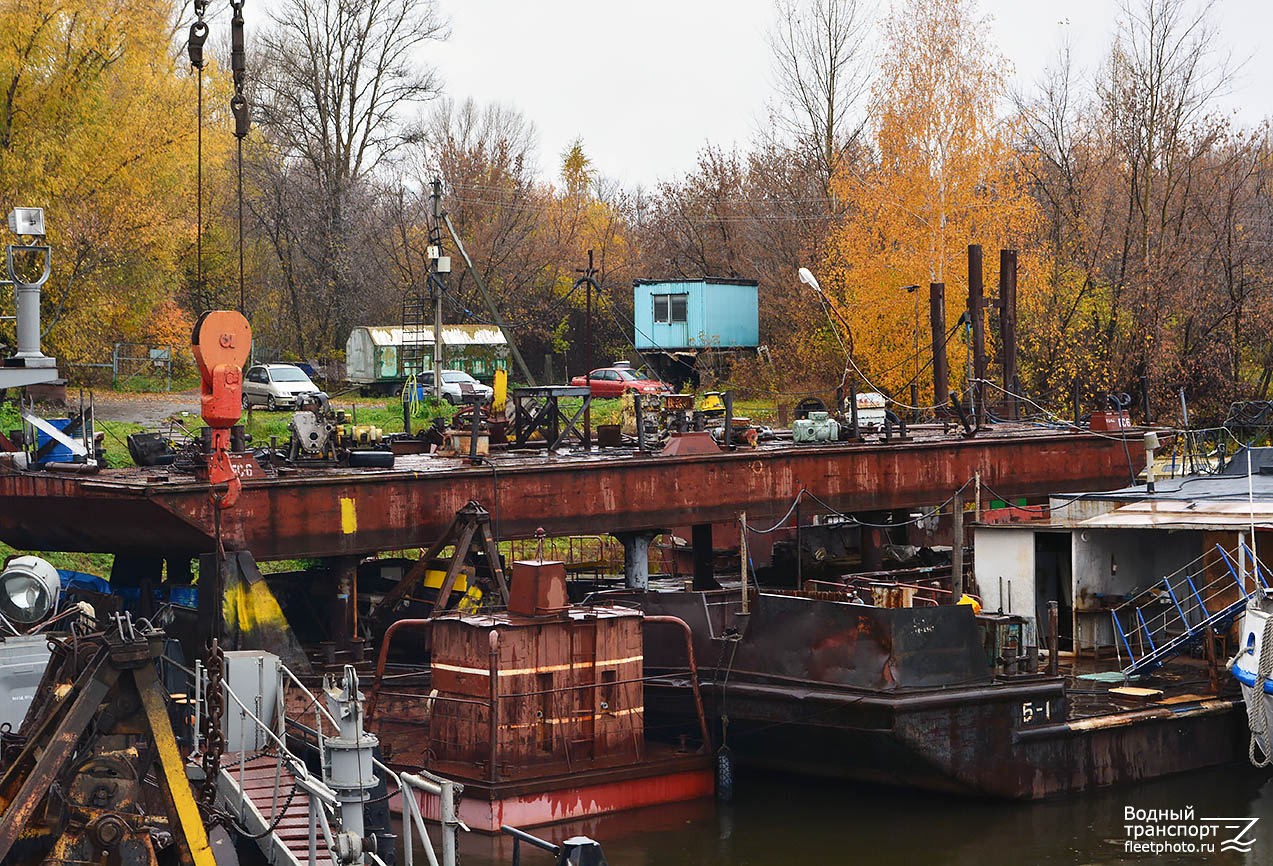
x=10 y=417
x=759 y=411
x=115 y=441
x=605 y=410
x=89 y=563
x=428 y=409
x=382 y=412
x=154 y=384
x=261 y=425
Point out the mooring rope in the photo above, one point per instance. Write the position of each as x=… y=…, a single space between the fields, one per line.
x=1255 y=707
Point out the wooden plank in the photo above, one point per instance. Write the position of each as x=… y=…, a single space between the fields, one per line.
x=1183 y=699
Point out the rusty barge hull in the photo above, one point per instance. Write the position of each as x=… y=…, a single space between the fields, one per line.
x=972 y=743
x=586 y=795
x=334 y=512
x=904 y=697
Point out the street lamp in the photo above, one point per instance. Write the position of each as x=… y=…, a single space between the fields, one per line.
x=807 y=277
x=28 y=223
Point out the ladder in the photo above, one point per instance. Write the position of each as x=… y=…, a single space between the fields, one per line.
x=264 y=794
x=416 y=352
x=1167 y=618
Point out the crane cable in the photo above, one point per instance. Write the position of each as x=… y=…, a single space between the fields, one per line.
x=194 y=48
x=242 y=117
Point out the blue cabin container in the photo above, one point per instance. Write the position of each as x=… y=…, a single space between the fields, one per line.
x=691 y=315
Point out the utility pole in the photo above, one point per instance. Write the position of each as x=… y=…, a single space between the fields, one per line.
x=589 y=280
x=490 y=304
x=435 y=281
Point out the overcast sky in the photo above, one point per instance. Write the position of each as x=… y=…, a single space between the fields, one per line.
x=646 y=84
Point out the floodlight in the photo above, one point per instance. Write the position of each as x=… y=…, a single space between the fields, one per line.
x=807 y=277
x=29 y=589
x=27 y=221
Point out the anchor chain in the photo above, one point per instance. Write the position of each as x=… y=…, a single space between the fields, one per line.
x=211 y=730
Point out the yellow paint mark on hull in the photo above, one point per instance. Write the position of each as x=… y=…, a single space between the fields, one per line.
x=348 y=515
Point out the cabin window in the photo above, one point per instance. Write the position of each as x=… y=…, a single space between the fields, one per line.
x=670 y=309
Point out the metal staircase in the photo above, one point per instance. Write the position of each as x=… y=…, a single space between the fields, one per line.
x=1167 y=618
x=298 y=817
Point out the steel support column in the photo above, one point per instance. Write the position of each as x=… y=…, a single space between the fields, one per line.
x=636 y=559
x=1008 y=323
x=701 y=541
x=873 y=539
x=344 y=597
x=976 y=309
x=937 y=322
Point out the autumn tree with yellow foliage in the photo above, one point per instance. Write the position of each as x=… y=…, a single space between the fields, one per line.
x=942 y=175
x=92 y=102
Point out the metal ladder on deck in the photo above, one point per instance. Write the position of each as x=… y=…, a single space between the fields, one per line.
x=297 y=818
x=1169 y=617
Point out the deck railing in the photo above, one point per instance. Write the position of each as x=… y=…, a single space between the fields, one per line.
x=1168 y=617
x=324 y=806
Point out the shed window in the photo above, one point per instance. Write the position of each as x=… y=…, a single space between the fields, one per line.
x=670 y=309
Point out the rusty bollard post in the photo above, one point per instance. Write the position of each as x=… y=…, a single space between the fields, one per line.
x=1054 y=619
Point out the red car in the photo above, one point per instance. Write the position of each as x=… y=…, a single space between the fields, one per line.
x=617 y=381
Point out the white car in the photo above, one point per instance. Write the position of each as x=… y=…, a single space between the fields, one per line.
x=457 y=386
x=276 y=386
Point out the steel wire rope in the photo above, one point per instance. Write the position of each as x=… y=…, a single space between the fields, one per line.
x=770 y=391
x=804 y=491
x=828 y=309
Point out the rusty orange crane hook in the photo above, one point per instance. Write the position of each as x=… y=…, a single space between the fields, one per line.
x=221 y=342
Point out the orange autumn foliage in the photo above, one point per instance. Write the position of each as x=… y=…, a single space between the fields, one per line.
x=942 y=175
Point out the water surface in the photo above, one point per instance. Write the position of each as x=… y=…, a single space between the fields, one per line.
x=782 y=819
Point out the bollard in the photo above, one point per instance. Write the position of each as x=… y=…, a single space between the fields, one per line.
x=640 y=421
x=728 y=438
x=1054 y=659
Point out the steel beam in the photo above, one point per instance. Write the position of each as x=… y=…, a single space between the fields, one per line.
x=335 y=513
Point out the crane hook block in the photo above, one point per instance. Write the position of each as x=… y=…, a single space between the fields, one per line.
x=242 y=115
x=194 y=46
x=221 y=342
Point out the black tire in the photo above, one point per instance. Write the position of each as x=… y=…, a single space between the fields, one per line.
x=270 y=403
x=246 y=403
x=807 y=405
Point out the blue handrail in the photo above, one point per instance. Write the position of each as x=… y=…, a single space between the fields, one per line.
x=1189 y=616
